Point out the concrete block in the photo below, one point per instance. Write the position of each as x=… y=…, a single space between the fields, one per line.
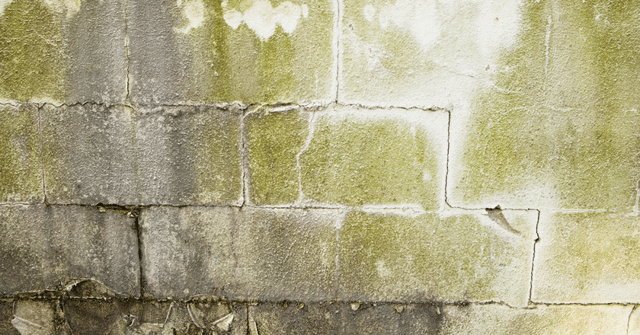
x=377 y=157
x=285 y=254
x=20 y=164
x=90 y=155
x=450 y=256
x=587 y=258
x=38 y=317
x=194 y=52
x=190 y=155
x=344 y=318
x=247 y=254
x=555 y=129
x=6 y=315
x=47 y=247
x=275 y=140
x=187 y=251
x=63 y=51
x=422 y=54
x=117 y=155
x=498 y=320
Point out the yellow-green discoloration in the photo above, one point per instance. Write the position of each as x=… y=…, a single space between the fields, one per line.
x=430 y=257
x=31 y=52
x=587 y=258
x=236 y=64
x=20 y=168
x=274 y=142
x=563 y=117
x=503 y=320
x=364 y=161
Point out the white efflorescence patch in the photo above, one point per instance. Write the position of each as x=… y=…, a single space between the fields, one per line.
x=263 y=19
x=496 y=21
x=70 y=7
x=3 y=4
x=193 y=11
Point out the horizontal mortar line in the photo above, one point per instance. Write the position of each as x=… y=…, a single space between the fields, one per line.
x=315 y=104
x=539 y=303
x=305 y=302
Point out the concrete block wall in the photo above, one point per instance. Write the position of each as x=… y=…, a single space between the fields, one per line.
x=322 y=167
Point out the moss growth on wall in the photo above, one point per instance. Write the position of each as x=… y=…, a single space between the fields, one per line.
x=557 y=116
x=20 y=167
x=31 y=52
x=274 y=142
x=429 y=257
x=363 y=161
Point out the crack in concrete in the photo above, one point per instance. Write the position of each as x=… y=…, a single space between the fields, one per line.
x=533 y=259
x=629 y=318
x=307 y=143
x=127 y=98
x=44 y=186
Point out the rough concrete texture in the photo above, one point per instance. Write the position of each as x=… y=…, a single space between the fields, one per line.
x=73 y=52
x=117 y=155
x=556 y=125
x=265 y=254
x=20 y=166
x=49 y=248
x=587 y=258
x=498 y=320
x=348 y=156
x=343 y=318
x=234 y=50
x=332 y=166
x=457 y=256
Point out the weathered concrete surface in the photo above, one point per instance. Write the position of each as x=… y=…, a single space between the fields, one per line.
x=274 y=141
x=587 y=258
x=89 y=155
x=38 y=317
x=63 y=51
x=556 y=127
x=187 y=251
x=634 y=322
x=116 y=155
x=6 y=314
x=263 y=254
x=343 y=318
x=202 y=52
x=412 y=53
x=20 y=166
x=376 y=157
x=49 y=247
x=457 y=256
x=190 y=155
x=498 y=320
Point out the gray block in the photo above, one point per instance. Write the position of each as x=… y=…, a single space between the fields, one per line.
x=6 y=314
x=46 y=247
x=344 y=318
x=116 y=155
x=262 y=254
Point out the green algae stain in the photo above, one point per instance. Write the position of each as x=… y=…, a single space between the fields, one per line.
x=20 y=168
x=274 y=142
x=597 y=249
x=31 y=52
x=424 y=258
x=238 y=65
x=556 y=117
x=362 y=162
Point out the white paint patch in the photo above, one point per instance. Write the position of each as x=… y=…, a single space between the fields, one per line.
x=263 y=19
x=383 y=271
x=194 y=12
x=369 y=12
